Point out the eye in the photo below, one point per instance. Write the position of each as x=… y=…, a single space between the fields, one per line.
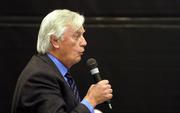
x=76 y=36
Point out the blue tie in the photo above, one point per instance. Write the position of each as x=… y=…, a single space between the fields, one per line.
x=73 y=86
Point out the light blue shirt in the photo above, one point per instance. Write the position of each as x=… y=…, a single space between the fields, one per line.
x=63 y=70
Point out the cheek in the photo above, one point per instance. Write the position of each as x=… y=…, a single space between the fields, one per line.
x=70 y=46
x=75 y=47
x=72 y=50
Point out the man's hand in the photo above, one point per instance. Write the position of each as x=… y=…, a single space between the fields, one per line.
x=98 y=93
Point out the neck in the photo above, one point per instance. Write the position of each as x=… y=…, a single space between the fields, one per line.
x=62 y=59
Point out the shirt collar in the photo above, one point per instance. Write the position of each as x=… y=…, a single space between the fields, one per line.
x=62 y=69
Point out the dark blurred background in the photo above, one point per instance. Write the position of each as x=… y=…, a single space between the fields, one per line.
x=135 y=42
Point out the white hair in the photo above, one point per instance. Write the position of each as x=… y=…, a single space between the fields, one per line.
x=55 y=23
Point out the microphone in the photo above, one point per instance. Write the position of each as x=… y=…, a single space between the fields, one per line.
x=92 y=64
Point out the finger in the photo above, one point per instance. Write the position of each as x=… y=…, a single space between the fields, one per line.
x=109 y=91
x=108 y=86
x=103 y=82
x=109 y=96
x=106 y=81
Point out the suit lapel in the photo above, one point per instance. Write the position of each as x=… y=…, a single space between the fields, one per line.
x=51 y=64
x=47 y=60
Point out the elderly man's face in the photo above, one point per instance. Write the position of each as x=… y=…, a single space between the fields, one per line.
x=72 y=46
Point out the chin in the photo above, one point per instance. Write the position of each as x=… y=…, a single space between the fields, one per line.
x=78 y=59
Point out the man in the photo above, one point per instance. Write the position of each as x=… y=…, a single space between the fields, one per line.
x=43 y=86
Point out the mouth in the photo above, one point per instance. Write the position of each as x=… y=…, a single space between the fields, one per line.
x=81 y=53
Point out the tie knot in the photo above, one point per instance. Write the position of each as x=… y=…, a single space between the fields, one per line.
x=68 y=75
x=69 y=78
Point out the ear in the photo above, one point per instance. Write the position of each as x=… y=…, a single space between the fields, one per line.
x=54 y=41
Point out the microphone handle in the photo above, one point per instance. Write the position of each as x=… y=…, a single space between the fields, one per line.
x=97 y=77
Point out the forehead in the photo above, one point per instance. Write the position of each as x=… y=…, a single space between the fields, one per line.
x=80 y=30
x=71 y=31
x=75 y=30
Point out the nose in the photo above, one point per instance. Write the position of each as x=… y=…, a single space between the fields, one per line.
x=83 y=42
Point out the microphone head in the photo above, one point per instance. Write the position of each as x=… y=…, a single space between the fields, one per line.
x=91 y=63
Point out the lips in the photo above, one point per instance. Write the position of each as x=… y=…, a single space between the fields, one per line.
x=81 y=53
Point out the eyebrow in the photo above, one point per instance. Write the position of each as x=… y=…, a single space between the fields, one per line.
x=79 y=32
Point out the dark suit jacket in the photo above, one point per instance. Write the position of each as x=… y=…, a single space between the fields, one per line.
x=41 y=89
